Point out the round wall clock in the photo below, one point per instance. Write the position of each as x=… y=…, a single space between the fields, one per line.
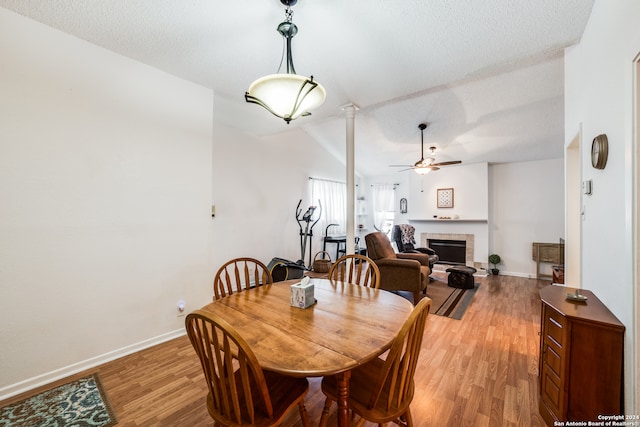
x=599 y=151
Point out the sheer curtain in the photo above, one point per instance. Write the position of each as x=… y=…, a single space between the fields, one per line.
x=333 y=197
x=383 y=196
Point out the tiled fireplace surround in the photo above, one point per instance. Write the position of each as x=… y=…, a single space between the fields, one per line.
x=468 y=238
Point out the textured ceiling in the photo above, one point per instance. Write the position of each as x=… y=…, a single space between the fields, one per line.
x=487 y=76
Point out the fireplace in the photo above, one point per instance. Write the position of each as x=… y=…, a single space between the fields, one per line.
x=461 y=256
x=449 y=251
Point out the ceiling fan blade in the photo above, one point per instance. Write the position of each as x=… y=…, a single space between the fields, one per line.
x=407 y=169
x=452 y=162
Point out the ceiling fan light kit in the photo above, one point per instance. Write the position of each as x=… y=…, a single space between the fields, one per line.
x=422 y=170
x=286 y=95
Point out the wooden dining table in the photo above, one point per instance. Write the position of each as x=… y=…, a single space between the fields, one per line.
x=347 y=326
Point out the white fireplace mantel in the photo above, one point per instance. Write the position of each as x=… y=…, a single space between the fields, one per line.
x=448 y=220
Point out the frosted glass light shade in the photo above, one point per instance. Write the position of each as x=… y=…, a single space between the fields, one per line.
x=422 y=170
x=287 y=96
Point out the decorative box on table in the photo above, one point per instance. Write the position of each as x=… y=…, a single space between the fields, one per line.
x=302 y=294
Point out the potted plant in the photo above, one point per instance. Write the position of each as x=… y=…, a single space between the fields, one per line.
x=494 y=259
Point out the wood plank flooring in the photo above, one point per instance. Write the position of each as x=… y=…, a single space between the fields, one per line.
x=478 y=371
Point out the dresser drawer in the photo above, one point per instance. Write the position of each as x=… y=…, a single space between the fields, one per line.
x=555 y=327
x=551 y=391
x=553 y=360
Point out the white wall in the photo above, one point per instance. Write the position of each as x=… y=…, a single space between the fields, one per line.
x=471 y=192
x=257 y=186
x=105 y=177
x=527 y=205
x=599 y=97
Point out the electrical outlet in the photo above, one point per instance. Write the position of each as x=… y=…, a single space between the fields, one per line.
x=181 y=306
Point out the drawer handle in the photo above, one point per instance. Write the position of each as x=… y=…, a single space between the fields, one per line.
x=555 y=323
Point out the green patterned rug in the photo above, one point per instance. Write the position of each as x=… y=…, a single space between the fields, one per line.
x=78 y=403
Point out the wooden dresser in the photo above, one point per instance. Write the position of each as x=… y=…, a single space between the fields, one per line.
x=581 y=358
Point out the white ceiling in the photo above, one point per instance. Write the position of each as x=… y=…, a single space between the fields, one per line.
x=486 y=75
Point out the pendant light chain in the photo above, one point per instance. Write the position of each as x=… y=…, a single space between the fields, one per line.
x=288 y=13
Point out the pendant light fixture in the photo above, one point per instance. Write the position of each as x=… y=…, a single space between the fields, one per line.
x=286 y=95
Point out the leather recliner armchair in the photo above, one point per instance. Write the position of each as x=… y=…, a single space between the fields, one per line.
x=398 y=271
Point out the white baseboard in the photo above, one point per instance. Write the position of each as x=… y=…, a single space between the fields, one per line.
x=517 y=274
x=481 y=273
x=58 y=374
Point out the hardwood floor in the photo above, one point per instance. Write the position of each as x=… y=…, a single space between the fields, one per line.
x=478 y=371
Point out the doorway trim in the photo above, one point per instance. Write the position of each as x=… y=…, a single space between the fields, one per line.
x=573 y=211
x=635 y=218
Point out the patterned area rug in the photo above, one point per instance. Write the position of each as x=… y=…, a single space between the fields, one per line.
x=448 y=301
x=78 y=403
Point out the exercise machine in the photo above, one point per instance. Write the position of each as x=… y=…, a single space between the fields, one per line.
x=284 y=269
x=306 y=233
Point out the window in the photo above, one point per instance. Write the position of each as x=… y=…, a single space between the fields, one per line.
x=333 y=199
x=383 y=206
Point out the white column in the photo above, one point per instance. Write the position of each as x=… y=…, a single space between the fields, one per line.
x=350 y=114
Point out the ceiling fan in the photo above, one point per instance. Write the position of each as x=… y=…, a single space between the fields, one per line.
x=424 y=166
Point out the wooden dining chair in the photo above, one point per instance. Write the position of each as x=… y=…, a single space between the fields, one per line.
x=240 y=274
x=240 y=392
x=381 y=391
x=357 y=269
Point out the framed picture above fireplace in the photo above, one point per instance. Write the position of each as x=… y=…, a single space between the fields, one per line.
x=445 y=197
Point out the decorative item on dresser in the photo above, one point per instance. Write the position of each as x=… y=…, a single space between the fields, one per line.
x=581 y=357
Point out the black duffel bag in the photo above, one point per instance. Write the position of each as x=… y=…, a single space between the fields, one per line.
x=283 y=269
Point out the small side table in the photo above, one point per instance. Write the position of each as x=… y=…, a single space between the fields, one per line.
x=557 y=273
x=340 y=241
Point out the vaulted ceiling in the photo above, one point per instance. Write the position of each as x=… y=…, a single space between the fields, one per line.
x=486 y=76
